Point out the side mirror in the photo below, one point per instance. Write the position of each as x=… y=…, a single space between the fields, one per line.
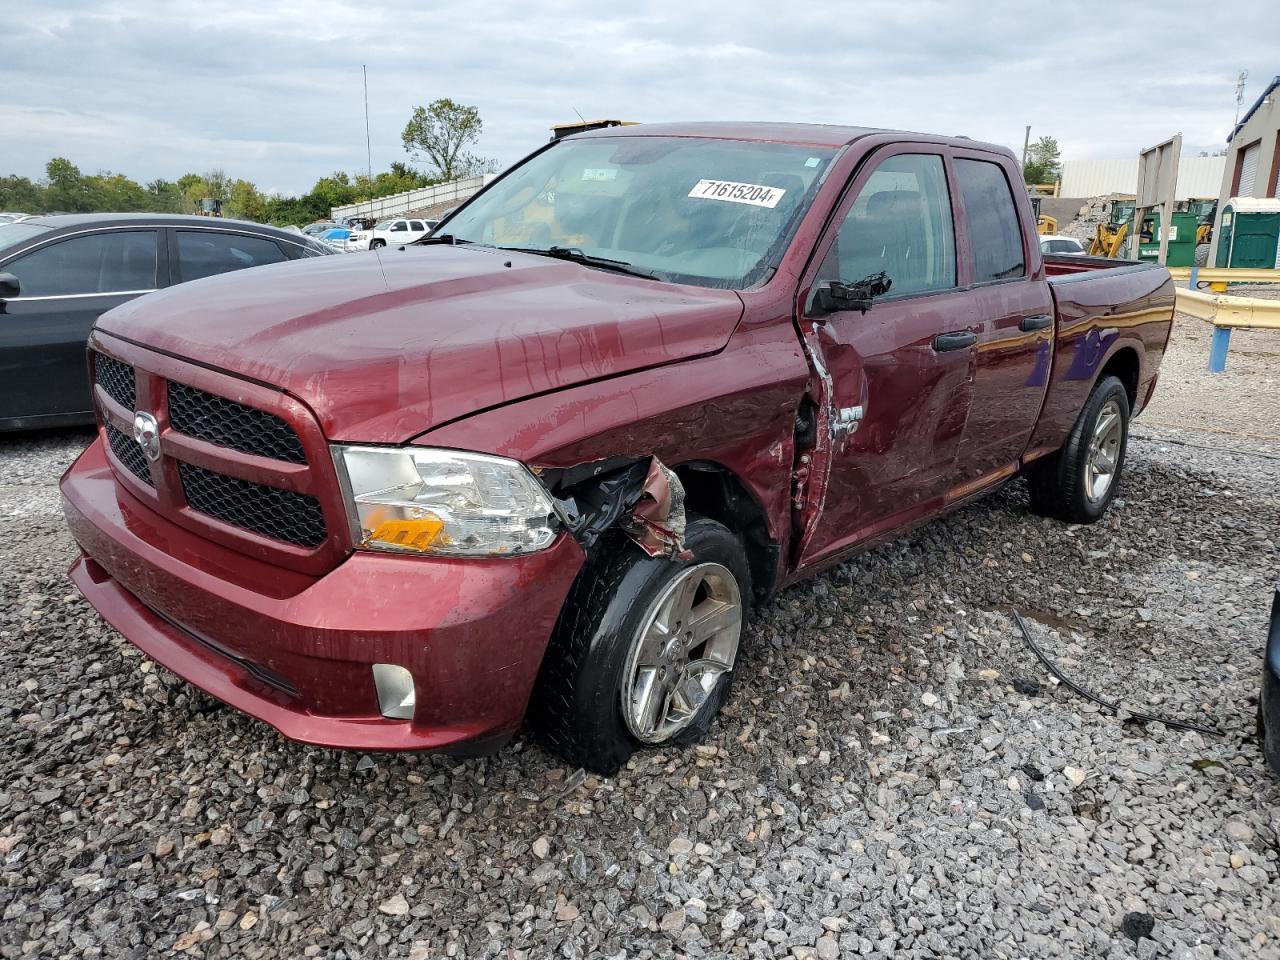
x=10 y=286
x=833 y=296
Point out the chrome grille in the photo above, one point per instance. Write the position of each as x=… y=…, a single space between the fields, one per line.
x=227 y=423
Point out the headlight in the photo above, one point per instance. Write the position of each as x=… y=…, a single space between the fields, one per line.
x=442 y=502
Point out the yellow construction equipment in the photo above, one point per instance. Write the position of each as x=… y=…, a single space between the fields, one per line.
x=1111 y=235
x=1045 y=224
x=1109 y=239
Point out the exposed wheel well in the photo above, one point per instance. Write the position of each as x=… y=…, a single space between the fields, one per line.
x=1124 y=366
x=716 y=492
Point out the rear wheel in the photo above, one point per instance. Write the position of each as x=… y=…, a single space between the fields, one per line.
x=1202 y=254
x=1078 y=483
x=644 y=651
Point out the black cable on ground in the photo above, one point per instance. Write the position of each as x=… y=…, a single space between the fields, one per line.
x=1105 y=704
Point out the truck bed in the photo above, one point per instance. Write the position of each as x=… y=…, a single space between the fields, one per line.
x=1111 y=313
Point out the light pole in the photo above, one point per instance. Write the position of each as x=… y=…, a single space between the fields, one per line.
x=368 y=144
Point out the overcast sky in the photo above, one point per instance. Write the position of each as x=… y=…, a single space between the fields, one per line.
x=271 y=90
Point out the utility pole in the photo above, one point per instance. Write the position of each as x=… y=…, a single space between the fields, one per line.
x=368 y=144
x=1244 y=75
x=1026 y=142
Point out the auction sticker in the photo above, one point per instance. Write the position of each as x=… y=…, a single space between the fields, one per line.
x=731 y=192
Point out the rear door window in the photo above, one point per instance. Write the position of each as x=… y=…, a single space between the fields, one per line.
x=108 y=262
x=995 y=235
x=206 y=253
x=900 y=224
x=416 y=225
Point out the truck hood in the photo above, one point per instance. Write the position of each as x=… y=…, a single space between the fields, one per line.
x=383 y=346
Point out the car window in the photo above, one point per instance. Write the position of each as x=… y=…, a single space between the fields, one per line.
x=416 y=225
x=108 y=262
x=310 y=248
x=399 y=225
x=900 y=224
x=995 y=236
x=12 y=234
x=204 y=253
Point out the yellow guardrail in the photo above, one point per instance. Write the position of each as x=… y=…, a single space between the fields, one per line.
x=1225 y=274
x=1227 y=314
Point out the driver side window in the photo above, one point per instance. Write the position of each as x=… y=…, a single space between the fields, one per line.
x=900 y=224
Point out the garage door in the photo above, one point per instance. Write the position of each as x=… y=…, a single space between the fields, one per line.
x=1248 y=170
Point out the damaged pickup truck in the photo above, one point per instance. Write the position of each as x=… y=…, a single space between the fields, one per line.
x=541 y=466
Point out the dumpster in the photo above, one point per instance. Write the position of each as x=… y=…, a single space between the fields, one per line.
x=1182 y=239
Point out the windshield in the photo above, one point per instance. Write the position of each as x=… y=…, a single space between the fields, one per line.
x=715 y=213
x=12 y=234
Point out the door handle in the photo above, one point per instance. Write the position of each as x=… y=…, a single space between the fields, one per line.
x=1042 y=322
x=955 y=340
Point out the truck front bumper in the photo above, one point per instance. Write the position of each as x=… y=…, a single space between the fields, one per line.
x=298 y=651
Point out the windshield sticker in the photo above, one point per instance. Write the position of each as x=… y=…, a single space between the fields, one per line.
x=753 y=193
x=812 y=161
x=600 y=173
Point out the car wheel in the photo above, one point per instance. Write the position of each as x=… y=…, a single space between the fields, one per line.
x=644 y=651
x=1202 y=254
x=1078 y=483
x=377 y=244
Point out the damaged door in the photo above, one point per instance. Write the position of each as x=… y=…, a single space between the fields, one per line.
x=893 y=369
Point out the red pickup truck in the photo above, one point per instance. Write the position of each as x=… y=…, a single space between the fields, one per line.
x=540 y=466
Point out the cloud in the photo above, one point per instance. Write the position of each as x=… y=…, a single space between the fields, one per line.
x=272 y=92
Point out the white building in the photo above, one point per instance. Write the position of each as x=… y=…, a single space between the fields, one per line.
x=1197 y=177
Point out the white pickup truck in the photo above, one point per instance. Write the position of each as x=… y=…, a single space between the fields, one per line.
x=397 y=230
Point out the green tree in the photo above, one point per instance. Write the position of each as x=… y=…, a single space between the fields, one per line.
x=439 y=135
x=1044 y=161
x=165 y=197
x=67 y=190
x=335 y=189
x=21 y=195
x=246 y=202
x=116 y=193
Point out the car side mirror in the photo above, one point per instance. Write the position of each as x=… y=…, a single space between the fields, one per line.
x=834 y=296
x=10 y=286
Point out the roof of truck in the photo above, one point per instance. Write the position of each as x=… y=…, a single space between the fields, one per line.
x=800 y=134
x=809 y=134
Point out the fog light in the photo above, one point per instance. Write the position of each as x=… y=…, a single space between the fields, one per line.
x=395 y=691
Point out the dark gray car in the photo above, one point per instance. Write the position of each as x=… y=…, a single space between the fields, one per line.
x=58 y=274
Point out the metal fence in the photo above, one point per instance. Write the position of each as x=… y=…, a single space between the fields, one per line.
x=402 y=203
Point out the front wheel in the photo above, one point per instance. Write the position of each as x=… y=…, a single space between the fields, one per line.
x=377 y=244
x=1078 y=483
x=644 y=650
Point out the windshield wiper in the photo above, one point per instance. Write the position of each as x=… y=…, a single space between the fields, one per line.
x=448 y=238
x=577 y=255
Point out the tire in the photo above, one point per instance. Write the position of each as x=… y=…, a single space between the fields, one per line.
x=377 y=244
x=577 y=708
x=1202 y=254
x=1060 y=484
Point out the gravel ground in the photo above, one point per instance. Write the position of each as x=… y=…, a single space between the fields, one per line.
x=1243 y=400
x=895 y=776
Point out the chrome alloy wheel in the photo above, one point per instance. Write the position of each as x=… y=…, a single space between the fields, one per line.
x=1104 y=451
x=688 y=640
